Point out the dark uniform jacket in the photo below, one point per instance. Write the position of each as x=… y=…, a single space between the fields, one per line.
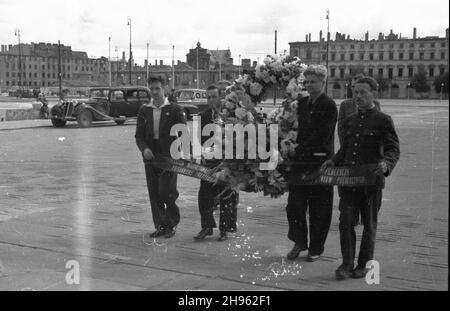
x=347 y=108
x=170 y=115
x=369 y=138
x=316 y=125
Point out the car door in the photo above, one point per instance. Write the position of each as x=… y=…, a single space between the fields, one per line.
x=132 y=103
x=118 y=104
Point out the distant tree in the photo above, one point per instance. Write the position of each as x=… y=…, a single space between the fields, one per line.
x=438 y=82
x=419 y=81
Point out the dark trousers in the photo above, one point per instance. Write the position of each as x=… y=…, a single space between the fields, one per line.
x=162 y=190
x=367 y=203
x=208 y=199
x=318 y=200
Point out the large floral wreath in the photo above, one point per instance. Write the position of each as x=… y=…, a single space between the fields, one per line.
x=239 y=107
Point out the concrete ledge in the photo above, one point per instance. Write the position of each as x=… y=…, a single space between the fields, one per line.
x=15 y=114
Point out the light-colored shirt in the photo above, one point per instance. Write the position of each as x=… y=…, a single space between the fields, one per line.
x=157 y=116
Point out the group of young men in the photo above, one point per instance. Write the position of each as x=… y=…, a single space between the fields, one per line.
x=366 y=136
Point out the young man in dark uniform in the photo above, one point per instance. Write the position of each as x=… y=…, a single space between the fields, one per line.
x=154 y=122
x=208 y=193
x=369 y=138
x=317 y=115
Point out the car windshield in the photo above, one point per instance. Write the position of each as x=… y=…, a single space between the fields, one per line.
x=98 y=93
x=184 y=95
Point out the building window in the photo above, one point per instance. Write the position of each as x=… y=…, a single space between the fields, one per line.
x=361 y=46
x=442 y=44
x=380 y=72
x=361 y=56
x=391 y=55
x=441 y=71
x=411 y=45
x=381 y=46
x=442 y=55
x=341 y=73
x=342 y=56
x=48 y=75
x=352 y=56
x=422 y=45
x=371 y=56
x=43 y=67
x=333 y=56
x=391 y=46
x=352 y=46
x=82 y=68
x=35 y=67
x=371 y=46
x=401 y=45
x=7 y=74
x=390 y=73
x=400 y=56
x=400 y=72
x=35 y=74
x=410 y=72
x=13 y=74
x=333 y=72
x=431 y=71
x=381 y=56
x=431 y=55
x=371 y=72
x=43 y=75
x=411 y=55
x=324 y=56
x=432 y=44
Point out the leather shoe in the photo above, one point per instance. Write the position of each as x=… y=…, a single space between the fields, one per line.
x=203 y=234
x=223 y=236
x=169 y=233
x=359 y=272
x=295 y=251
x=312 y=257
x=344 y=272
x=159 y=232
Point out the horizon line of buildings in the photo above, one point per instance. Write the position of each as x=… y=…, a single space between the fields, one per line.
x=390 y=57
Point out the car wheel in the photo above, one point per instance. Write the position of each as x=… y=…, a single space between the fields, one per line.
x=58 y=122
x=187 y=114
x=120 y=122
x=84 y=118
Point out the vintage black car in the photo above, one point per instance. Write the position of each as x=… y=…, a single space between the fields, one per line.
x=104 y=103
x=193 y=101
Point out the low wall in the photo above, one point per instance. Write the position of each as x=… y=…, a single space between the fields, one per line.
x=15 y=114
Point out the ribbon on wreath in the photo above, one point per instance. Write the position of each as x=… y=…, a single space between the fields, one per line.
x=349 y=176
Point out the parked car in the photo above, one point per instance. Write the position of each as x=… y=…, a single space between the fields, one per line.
x=193 y=101
x=104 y=103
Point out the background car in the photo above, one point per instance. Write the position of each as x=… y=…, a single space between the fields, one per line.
x=105 y=103
x=193 y=101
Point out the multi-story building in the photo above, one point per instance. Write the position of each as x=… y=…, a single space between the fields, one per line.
x=392 y=58
x=36 y=65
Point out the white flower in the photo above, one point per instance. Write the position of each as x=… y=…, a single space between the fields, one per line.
x=255 y=88
x=240 y=113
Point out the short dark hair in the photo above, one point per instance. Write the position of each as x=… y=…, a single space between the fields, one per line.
x=155 y=79
x=370 y=81
x=212 y=88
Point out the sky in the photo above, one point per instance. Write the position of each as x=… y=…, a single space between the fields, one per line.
x=246 y=27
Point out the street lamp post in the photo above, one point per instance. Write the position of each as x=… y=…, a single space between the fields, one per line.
x=131 y=55
x=146 y=79
x=17 y=33
x=173 y=67
x=198 y=80
x=109 y=59
x=328 y=46
x=442 y=89
x=407 y=89
x=239 y=65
